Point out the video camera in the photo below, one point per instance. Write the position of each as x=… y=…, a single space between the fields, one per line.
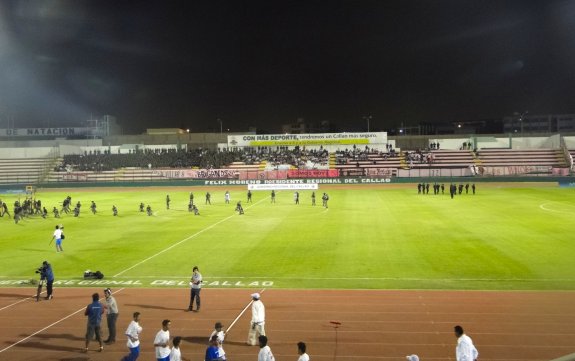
x=42 y=269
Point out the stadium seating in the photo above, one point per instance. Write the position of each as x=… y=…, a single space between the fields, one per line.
x=23 y=170
x=531 y=157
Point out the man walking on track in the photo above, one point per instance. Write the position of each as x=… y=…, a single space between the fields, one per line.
x=162 y=342
x=258 y=320
x=133 y=333
x=465 y=350
x=265 y=353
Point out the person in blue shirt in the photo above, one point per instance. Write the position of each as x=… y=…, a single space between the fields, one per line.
x=48 y=275
x=94 y=312
x=213 y=351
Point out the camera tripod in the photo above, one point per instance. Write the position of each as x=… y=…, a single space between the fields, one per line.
x=39 y=291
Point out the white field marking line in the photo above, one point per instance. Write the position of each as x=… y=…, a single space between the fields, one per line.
x=180 y=242
x=542 y=206
x=356 y=278
x=241 y=313
x=47 y=327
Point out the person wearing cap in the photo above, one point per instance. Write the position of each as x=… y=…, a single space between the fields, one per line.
x=265 y=353
x=465 y=350
x=111 y=316
x=220 y=334
x=133 y=332
x=301 y=348
x=196 y=283
x=258 y=319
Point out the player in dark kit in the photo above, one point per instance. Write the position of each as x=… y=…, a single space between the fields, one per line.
x=149 y=210
x=168 y=201
x=208 y=198
x=141 y=207
x=93 y=207
x=324 y=199
x=273 y=196
x=114 y=210
x=249 y=196
x=239 y=208
x=56 y=213
x=313 y=198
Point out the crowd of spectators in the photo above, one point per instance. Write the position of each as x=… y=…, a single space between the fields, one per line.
x=202 y=158
x=358 y=154
x=148 y=158
x=419 y=156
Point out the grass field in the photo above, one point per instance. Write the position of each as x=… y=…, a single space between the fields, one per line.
x=502 y=238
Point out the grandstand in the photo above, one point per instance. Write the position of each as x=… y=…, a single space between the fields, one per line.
x=143 y=163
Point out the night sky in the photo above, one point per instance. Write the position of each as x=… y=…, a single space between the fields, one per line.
x=155 y=64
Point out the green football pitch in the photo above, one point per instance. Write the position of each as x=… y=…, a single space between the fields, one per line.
x=502 y=238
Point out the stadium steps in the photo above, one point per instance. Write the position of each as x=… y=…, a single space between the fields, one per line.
x=332 y=161
x=119 y=174
x=402 y=162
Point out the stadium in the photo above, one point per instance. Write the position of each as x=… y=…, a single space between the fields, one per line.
x=383 y=267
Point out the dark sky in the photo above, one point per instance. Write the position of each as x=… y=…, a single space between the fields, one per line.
x=169 y=63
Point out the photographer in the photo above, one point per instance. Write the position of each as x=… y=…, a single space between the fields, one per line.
x=47 y=274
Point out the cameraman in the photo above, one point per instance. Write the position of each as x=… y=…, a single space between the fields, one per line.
x=47 y=274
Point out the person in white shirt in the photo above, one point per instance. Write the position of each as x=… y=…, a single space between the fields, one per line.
x=465 y=350
x=265 y=353
x=176 y=354
x=133 y=332
x=220 y=334
x=258 y=319
x=57 y=235
x=303 y=356
x=162 y=342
